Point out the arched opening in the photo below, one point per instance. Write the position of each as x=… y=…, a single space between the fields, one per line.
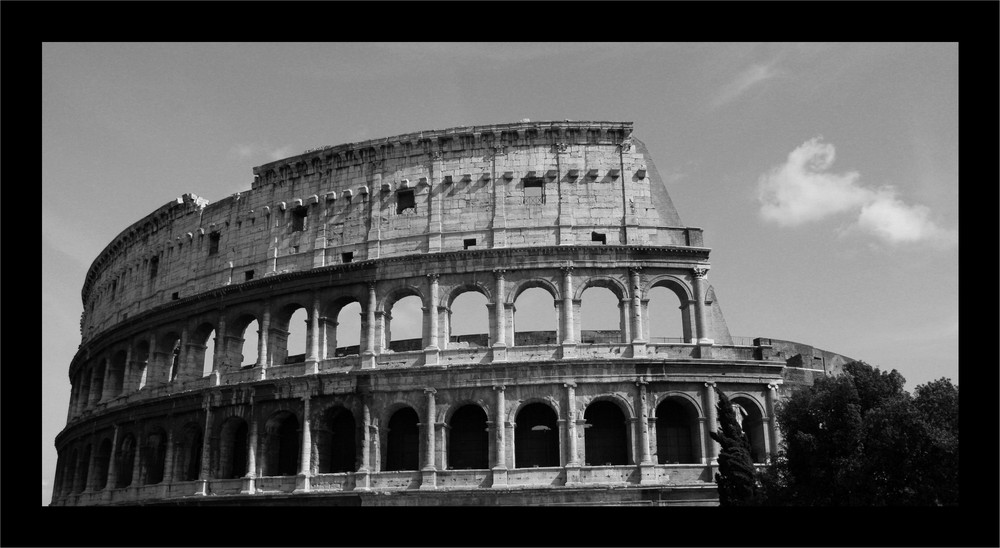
x=202 y=348
x=535 y=319
x=233 y=449
x=666 y=317
x=187 y=453
x=172 y=348
x=469 y=321
x=601 y=317
x=295 y=342
x=404 y=324
x=251 y=342
x=402 y=450
x=344 y=339
x=154 y=457
x=605 y=435
x=142 y=361
x=676 y=432
x=748 y=414
x=335 y=443
x=97 y=388
x=117 y=374
x=281 y=445
x=468 y=439
x=102 y=464
x=84 y=470
x=126 y=461
x=536 y=437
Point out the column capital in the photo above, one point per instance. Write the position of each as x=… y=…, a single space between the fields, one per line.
x=371 y=285
x=437 y=155
x=433 y=276
x=772 y=386
x=560 y=147
x=635 y=270
x=700 y=272
x=641 y=381
x=567 y=269
x=709 y=385
x=499 y=387
x=569 y=384
x=430 y=391
x=499 y=273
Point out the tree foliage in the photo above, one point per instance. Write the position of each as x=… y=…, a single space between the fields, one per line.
x=736 y=477
x=859 y=439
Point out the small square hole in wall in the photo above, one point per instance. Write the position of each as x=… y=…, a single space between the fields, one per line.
x=470 y=242
x=347 y=257
x=295 y=249
x=598 y=237
x=404 y=201
x=248 y=275
x=175 y=296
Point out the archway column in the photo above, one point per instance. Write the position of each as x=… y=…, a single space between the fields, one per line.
x=313 y=355
x=774 y=434
x=432 y=351
x=568 y=325
x=249 y=479
x=701 y=323
x=711 y=446
x=262 y=336
x=638 y=333
x=305 y=452
x=112 y=469
x=368 y=356
x=362 y=479
x=572 y=458
x=218 y=361
x=500 y=335
x=428 y=478
x=500 y=439
x=205 y=447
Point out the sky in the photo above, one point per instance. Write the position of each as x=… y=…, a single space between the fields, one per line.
x=825 y=176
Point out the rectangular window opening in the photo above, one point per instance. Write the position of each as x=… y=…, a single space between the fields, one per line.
x=175 y=296
x=405 y=202
x=154 y=267
x=347 y=256
x=248 y=275
x=598 y=237
x=295 y=249
x=299 y=215
x=470 y=242
x=213 y=243
x=534 y=191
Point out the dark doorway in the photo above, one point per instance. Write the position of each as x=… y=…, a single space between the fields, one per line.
x=282 y=446
x=536 y=437
x=468 y=441
x=126 y=462
x=101 y=466
x=403 y=443
x=606 y=440
x=675 y=431
x=343 y=451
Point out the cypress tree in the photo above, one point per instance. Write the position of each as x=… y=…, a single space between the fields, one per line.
x=736 y=477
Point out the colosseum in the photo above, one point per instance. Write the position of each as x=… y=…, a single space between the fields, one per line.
x=187 y=389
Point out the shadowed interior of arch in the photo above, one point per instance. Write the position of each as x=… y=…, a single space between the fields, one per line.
x=535 y=318
x=665 y=316
x=404 y=324
x=600 y=317
x=469 y=320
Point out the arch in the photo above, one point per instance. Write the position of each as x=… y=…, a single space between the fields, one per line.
x=287 y=341
x=674 y=283
x=154 y=456
x=614 y=285
x=170 y=346
x=448 y=297
x=402 y=449
x=187 y=453
x=540 y=283
x=464 y=325
x=688 y=399
x=201 y=360
x=336 y=441
x=468 y=439
x=398 y=292
x=102 y=464
x=605 y=434
x=116 y=374
x=596 y=316
x=536 y=436
x=535 y=315
x=233 y=445
x=409 y=314
x=667 y=319
x=677 y=434
x=142 y=362
x=752 y=424
x=248 y=346
x=342 y=327
x=125 y=461
x=281 y=445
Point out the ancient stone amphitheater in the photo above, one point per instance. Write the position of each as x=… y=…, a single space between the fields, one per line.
x=550 y=210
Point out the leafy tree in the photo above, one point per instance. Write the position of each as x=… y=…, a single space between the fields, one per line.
x=736 y=477
x=859 y=439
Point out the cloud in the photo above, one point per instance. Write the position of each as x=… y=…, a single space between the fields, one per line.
x=803 y=190
x=749 y=78
x=247 y=151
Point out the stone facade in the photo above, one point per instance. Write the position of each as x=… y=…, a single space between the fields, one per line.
x=567 y=415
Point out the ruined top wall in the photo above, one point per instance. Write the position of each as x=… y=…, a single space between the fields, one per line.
x=505 y=185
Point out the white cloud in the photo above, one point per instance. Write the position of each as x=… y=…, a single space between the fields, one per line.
x=747 y=79
x=247 y=151
x=803 y=190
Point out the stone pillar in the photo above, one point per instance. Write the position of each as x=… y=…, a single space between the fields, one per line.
x=368 y=356
x=106 y=386
x=312 y=358
x=500 y=339
x=184 y=370
x=362 y=479
x=305 y=453
x=206 y=453
x=432 y=350
x=572 y=459
x=644 y=454
x=499 y=457
x=568 y=326
x=112 y=469
x=701 y=323
x=434 y=203
x=218 y=361
x=429 y=472
x=151 y=363
x=263 y=334
x=248 y=481
x=90 y=485
x=712 y=423
x=638 y=338
x=140 y=449
x=772 y=420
